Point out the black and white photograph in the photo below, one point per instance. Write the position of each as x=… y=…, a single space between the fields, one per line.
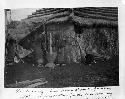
x=61 y=47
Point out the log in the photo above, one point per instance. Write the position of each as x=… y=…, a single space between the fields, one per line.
x=37 y=84
x=25 y=83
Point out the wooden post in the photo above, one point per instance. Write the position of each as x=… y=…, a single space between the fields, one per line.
x=46 y=46
x=51 y=43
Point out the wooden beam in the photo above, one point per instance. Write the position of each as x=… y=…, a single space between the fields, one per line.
x=36 y=84
x=25 y=83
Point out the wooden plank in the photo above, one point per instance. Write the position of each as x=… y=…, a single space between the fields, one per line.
x=36 y=84
x=25 y=83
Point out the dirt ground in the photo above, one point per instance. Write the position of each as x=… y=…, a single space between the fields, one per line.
x=103 y=73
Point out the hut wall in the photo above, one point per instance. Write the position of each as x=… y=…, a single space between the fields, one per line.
x=70 y=46
x=64 y=42
x=101 y=41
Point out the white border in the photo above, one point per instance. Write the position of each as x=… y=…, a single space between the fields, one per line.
x=7 y=93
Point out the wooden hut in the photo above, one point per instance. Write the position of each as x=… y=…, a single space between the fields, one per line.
x=75 y=32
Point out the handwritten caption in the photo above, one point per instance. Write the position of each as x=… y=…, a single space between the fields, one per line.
x=65 y=93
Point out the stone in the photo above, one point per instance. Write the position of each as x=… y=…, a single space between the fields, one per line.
x=50 y=65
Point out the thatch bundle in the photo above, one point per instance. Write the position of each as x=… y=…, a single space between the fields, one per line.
x=87 y=15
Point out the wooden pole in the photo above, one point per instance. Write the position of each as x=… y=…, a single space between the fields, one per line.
x=46 y=45
x=51 y=43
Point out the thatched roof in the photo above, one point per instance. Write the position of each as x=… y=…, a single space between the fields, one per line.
x=81 y=16
x=86 y=15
